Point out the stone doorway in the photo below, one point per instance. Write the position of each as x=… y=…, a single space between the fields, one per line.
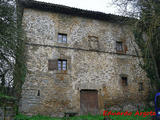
x=89 y=102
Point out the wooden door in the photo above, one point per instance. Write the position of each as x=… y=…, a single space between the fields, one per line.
x=89 y=102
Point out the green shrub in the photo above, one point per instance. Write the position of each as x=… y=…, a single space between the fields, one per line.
x=89 y=117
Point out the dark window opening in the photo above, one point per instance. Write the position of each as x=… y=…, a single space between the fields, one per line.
x=119 y=46
x=124 y=81
x=141 y=87
x=38 y=94
x=62 y=38
x=62 y=65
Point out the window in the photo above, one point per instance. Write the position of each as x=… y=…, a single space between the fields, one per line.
x=62 y=65
x=38 y=94
x=141 y=86
x=119 y=46
x=124 y=81
x=62 y=38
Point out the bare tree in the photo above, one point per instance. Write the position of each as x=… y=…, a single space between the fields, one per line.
x=12 y=63
x=148 y=14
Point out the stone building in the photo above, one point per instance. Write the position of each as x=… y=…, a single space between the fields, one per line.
x=79 y=61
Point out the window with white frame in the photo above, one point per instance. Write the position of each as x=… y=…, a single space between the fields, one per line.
x=62 y=65
x=62 y=38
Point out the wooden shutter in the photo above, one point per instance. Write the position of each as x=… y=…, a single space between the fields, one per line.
x=52 y=64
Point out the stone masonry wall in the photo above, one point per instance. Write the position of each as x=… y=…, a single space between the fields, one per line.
x=97 y=69
x=7 y=108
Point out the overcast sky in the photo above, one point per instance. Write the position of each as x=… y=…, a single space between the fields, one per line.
x=95 y=5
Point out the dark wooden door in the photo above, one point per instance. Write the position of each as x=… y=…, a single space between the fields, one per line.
x=89 y=102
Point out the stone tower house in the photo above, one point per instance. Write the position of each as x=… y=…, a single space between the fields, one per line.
x=78 y=61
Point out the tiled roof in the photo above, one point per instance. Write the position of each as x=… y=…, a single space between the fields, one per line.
x=74 y=11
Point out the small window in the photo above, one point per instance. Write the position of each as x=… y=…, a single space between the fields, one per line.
x=124 y=81
x=62 y=38
x=119 y=46
x=38 y=94
x=62 y=65
x=141 y=86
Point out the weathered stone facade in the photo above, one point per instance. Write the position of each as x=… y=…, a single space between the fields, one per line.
x=90 y=66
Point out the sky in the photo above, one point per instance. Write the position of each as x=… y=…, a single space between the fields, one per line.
x=104 y=6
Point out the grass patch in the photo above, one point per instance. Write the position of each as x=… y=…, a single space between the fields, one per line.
x=133 y=116
x=40 y=117
x=90 y=117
